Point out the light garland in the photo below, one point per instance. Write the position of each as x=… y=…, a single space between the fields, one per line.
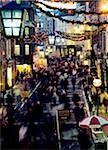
x=68 y=21
x=74 y=37
x=58 y=5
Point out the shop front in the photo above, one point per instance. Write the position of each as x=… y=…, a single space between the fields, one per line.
x=9 y=76
x=23 y=68
x=39 y=62
x=11 y=73
x=39 y=59
x=67 y=50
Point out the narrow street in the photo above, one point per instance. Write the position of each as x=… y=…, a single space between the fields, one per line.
x=54 y=74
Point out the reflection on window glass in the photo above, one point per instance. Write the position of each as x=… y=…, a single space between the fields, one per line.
x=8 y=31
x=26 y=31
x=17 y=49
x=26 y=49
x=16 y=13
x=16 y=31
x=6 y=13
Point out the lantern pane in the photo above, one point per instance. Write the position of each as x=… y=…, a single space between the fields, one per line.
x=12 y=23
x=7 y=22
x=16 y=31
x=8 y=31
x=16 y=14
x=6 y=13
x=16 y=23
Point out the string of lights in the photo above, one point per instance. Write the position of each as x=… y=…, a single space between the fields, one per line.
x=73 y=11
x=74 y=37
x=38 y=38
x=48 y=13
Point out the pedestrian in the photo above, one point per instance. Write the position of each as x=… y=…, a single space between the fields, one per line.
x=82 y=112
x=63 y=96
x=73 y=82
x=75 y=98
x=9 y=99
x=10 y=136
x=84 y=140
x=55 y=98
x=86 y=90
x=77 y=113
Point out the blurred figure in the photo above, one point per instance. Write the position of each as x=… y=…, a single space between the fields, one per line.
x=10 y=136
x=63 y=96
x=75 y=98
x=9 y=99
x=77 y=113
x=84 y=139
x=82 y=112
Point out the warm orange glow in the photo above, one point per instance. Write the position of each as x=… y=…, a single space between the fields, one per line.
x=103 y=6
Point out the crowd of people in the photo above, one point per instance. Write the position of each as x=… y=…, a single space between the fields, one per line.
x=54 y=80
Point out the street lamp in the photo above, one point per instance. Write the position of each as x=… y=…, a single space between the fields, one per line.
x=12 y=16
x=97 y=83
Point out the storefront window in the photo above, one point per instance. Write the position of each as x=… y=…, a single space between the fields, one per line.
x=26 y=31
x=9 y=76
x=17 y=49
x=26 y=49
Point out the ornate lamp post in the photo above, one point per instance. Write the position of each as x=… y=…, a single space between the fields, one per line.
x=12 y=16
x=97 y=83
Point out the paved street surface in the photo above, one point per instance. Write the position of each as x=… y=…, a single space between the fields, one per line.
x=69 y=132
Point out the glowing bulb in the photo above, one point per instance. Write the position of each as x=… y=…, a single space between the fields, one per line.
x=104 y=6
